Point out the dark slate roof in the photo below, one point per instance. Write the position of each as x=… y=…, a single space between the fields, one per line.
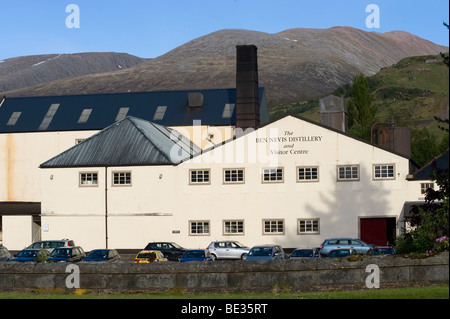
x=128 y=142
x=426 y=172
x=97 y=111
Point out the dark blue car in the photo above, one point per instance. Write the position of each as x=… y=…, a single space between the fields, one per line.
x=196 y=255
x=266 y=252
x=102 y=255
x=67 y=254
x=30 y=255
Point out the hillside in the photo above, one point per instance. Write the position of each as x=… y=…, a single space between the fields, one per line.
x=295 y=64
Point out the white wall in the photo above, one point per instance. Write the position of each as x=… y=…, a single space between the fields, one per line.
x=18 y=232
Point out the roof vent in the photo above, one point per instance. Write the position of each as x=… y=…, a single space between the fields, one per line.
x=195 y=99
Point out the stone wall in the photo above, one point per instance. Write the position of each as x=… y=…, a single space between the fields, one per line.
x=227 y=276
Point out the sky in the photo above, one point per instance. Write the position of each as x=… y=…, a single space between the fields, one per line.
x=150 y=28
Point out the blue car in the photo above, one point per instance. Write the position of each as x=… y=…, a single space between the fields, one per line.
x=102 y=255
x=196 y=255
x=30 y=255
x=67 y=254
x=266 y=252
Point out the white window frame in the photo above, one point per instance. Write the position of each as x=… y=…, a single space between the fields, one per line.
x=351 y=178
x=273 y=226
x=308 y=227
x=236 y=224
x=122 y=175
x=200 y=227
x=234 y=173
x=425 y=186
x=270 y=172
x=310 y=173
x=83 y=181
x=196 y=181
x=383 y=169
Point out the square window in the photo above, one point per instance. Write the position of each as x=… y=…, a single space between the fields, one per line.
x=308 y=226
x=273 y=227
x=199 y=176
x=89 y=179
x=348 y=173
x=307 y=174
x=233 y=176
x=272 y=175
x=384 y=171
x=233 y=227
x=121 y=178
x=199 y=228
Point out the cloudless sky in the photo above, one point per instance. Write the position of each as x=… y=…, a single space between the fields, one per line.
x=150 y=28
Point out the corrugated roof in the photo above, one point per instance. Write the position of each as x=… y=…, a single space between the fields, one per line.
x=130 y=141
x=97 y=111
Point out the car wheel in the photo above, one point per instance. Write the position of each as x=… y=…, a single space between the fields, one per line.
x=213 y=257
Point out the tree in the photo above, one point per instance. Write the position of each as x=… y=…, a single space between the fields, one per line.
x=361 y=110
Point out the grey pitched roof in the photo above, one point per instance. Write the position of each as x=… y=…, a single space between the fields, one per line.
x=97 y=111
x=128 y=142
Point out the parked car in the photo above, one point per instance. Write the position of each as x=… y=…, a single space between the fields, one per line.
x=342 y=252
x=149 y=256
x=51 y=244
x=303 y=253
x=67 y=254
x=170 y=250
x=102 y=255
x=265 y=252
x=227 y=250
x=4 y=253
x=196 y=255
x=335 y=243
x=381 y=250
x=30 y=255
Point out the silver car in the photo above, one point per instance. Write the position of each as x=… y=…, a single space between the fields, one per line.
x=227 y=250
x=49 y=245
x=336 y=243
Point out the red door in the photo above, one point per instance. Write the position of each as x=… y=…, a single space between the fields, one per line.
x=373 y=231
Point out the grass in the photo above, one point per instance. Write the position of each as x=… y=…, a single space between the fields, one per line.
x=423 y=292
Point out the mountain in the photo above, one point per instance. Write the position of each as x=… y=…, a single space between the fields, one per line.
x=27 y=71
x=293 y=64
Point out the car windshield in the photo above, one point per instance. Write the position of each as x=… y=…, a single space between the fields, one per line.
x=238 y=244
x=98 y=254
x=383 y=251
x=302 y=253
x=27 y=253
x=194 y=254
x=58 y=252
x=260 y=251
x=176 y=246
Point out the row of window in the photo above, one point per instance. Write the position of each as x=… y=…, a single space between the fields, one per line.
x=269 y=175
x=269 y=227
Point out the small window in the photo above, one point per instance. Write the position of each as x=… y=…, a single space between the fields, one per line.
x=121 y=178
x=272 y=175
x=199 y=228
x=13 y=119
x=122 y=113
x=348 y=173
x=199 y=176
x=228 y=111
x=233 y=176
x=308 y=226
x=425 y=186
x=274 y=227
x=159 y=113
x=84 y=117
x=307 y=174
x=88 y=179
x=48 y=117
x=384 y=171
x=233 y=227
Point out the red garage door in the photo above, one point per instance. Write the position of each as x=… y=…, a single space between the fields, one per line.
x=373 y=230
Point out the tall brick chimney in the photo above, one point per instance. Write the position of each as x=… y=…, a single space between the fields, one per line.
x=247 y=87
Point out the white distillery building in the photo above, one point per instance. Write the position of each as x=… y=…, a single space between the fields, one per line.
x=292 y=182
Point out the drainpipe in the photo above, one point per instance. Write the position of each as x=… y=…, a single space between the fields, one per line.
x=106 y=206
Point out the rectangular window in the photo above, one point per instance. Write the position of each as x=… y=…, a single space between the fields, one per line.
x=233 y=176
x=159 y=113
x=48 y=117
x=348 y=173
x=384 y=171
x=13 y=119
x=123 y=111
x=307 y=174
x=84 y=117
x=228 y=111
x=121 y=178
x=199 y=176
x=308 y=226
x=233 y=227
x=272 y=175
x=425 y=186
x=273 y=227
x=88 y=179
x=199 y=228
